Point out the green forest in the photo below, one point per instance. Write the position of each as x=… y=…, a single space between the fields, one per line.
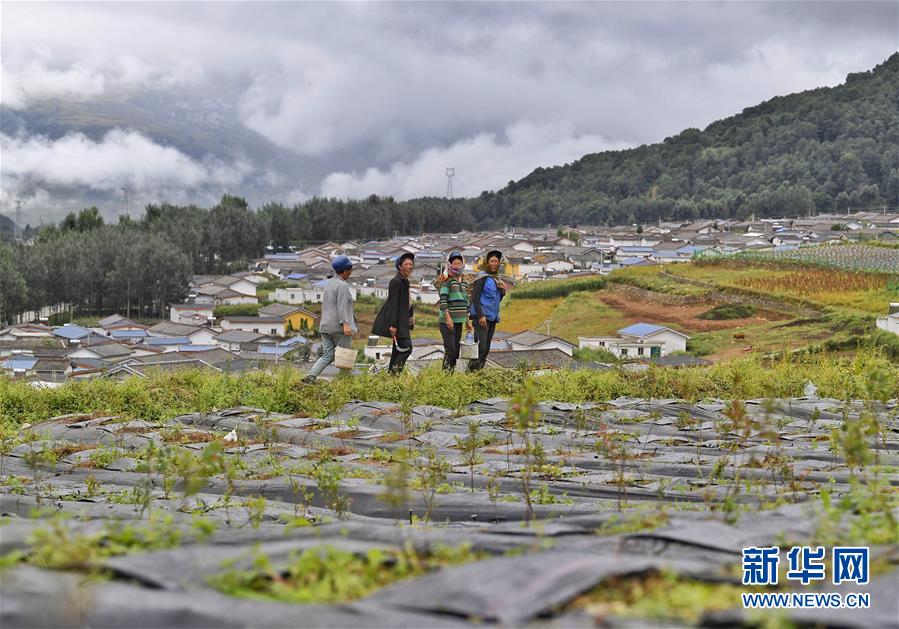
x=823 y=150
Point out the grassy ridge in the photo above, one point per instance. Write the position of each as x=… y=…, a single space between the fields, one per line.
x=165 y=394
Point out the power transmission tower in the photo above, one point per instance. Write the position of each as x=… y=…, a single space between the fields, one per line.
x=450 y=173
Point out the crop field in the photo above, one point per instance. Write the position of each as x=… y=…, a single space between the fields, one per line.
x=860 y=292
x=570 y=499
x=841 y=257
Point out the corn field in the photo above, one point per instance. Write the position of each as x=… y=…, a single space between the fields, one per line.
x=806 y=282
x=562 y=288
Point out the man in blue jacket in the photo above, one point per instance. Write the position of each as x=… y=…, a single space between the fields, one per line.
x=487 y=293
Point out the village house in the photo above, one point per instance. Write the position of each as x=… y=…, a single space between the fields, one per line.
x=538 y=361
x=240 y=285
x=221 y=296
x=195 y=314
x=308 y=294
x=529 y=340
x=198 y=335
x=25 y=330
x=19 y=366
x=231 y=339
x=639 y=340
x=890 y=323
x=294 y=319
x=273 y=326
x=111 y=352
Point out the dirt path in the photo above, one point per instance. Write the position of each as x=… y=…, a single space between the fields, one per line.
x=684 y=316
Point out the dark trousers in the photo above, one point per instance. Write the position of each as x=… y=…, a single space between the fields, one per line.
x=484 y=336
x=398 y=359
x=452 y=338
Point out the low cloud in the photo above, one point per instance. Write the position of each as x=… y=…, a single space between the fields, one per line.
x=486 y=161
x=120 y=159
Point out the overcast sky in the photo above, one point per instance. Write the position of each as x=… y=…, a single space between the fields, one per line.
x=382 y=97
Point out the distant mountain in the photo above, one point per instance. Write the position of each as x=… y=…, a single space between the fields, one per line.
x=826 y=149
x=200 y=126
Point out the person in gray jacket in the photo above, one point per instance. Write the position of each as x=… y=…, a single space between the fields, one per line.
x=338 y=322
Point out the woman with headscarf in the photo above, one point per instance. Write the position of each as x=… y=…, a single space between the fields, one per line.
x=396 y=318
x=487 y=293
x=453 y=308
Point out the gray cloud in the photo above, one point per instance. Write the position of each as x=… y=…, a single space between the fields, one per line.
x=371 y=90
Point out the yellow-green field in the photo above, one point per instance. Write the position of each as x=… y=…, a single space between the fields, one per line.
x=809 y=307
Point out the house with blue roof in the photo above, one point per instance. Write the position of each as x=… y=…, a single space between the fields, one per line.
x=72 y=332
x=640 y=340
x=19 y=366
x=167 y=343
x=128 y=335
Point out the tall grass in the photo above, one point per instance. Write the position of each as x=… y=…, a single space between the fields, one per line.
x=557 y=288
x=165 y=394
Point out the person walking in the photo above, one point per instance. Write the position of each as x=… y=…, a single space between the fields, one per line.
x=487 y=293
x=338 y=321
x=453 y=308
x=396 y=319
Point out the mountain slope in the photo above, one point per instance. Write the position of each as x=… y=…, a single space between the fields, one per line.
x=820 y=150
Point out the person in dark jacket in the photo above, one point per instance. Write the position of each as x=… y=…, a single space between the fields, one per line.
x=487 y=293
x=396 y=319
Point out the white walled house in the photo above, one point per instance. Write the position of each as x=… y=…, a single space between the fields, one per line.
x=379 y=292
x=622 y=347
x=529 y=340
x=237 y=284
x=639 y=340
x=890 y=323
x=426 y=294
x=196 y=314
x=271 y=326
x=198 y=335
x=559 y=266
x=307 y=294
x=672 y=340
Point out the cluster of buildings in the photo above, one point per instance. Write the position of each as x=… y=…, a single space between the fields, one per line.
x=537 y=254
x=119 y=347
x=279 y=329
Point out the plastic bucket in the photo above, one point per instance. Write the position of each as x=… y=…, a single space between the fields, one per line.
x=468 y=351
x=344 y=358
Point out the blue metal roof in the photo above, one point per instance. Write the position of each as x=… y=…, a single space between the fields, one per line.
x=295 y=276
x=70 y=332
x=641 y=329
x=630 y=261
x=294 y=340
x=128 y=334
x=167 y=340
x=273 y=349
x=196 y=348
x=17 y=364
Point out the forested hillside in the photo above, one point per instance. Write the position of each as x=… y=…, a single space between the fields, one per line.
x=823 y=150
